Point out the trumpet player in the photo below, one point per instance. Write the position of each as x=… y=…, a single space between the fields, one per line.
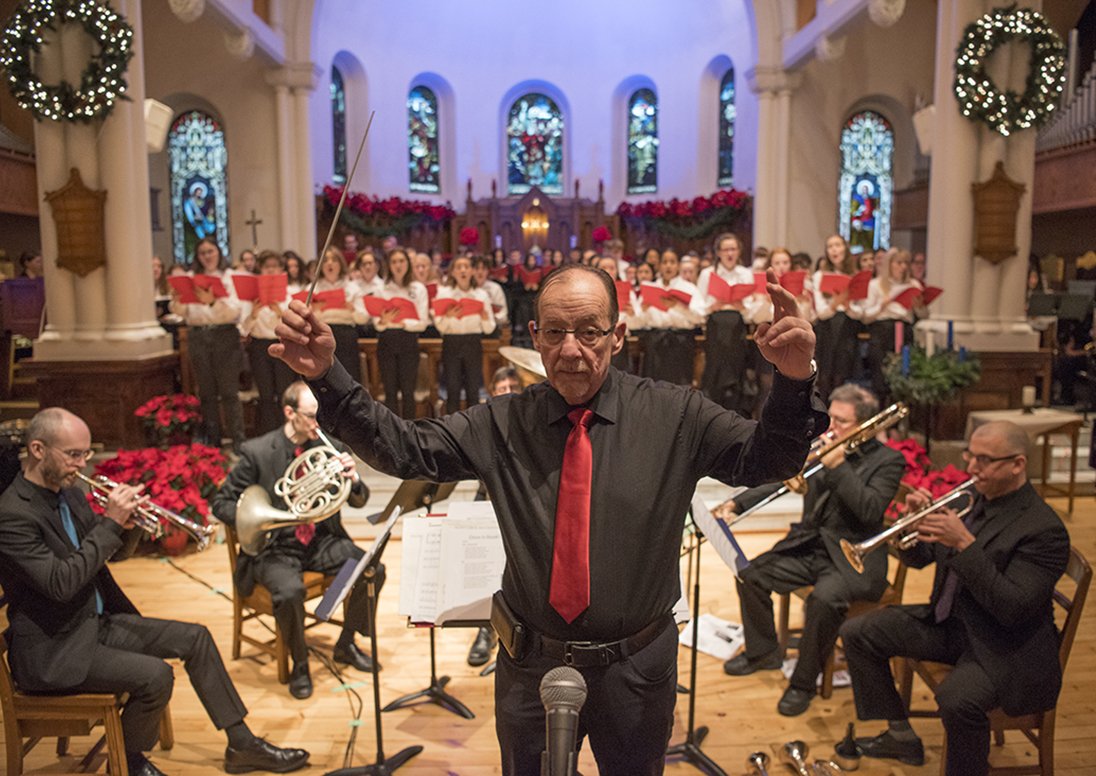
x=322 y=546
x=72 y=629
x=846 y=499
x=989 y=615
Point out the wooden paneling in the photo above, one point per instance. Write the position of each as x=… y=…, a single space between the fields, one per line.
x=18 y=184
x=1065 y=179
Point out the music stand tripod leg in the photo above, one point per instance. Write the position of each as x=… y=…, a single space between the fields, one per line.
x=435 y=693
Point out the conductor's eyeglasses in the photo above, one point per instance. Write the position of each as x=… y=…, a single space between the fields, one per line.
x=587 y=335
x=986 y=460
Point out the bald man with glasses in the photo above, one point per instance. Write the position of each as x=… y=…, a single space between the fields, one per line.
x=989 y=615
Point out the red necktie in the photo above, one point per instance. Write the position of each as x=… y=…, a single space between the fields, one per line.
x=305 y=531
x=569 y=592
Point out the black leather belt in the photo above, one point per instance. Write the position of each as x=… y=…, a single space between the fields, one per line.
x=587 y=654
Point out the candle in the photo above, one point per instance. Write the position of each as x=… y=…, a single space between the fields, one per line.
x=899 y=336
x=930 y=343
x=962 y=355
x=951 y=335
x=1027 y=396
x=905 y=360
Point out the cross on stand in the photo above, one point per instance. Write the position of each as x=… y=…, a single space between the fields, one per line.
x=254 y=222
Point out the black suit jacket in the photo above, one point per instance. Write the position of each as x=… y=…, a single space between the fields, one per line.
x=263 y=461
x=1003 y=603
x=50 y=585
x=847 y=502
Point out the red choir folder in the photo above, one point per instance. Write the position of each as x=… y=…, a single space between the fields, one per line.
x=929 y=295
x=335 y=298
x=431 y=291
x=908 y=298
x=405 y=308
x=719 y=289
x=501 y=274
x=662 y=298
x=794 y=281
x=858 y=285
x=624 y=295
x=529 y=277
x=264 y=289
x=834 y=282
x=740 y=291
x=184 y=285
x=761 y=283
x=465 y=307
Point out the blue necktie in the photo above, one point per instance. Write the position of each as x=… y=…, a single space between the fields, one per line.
x=70 y=529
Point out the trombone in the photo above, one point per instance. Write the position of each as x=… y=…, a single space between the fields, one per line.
x=854 y=553
x=820 y=448
x=148 y=516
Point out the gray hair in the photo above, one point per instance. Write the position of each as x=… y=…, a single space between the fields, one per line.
x=46 y=425
x=864 y=403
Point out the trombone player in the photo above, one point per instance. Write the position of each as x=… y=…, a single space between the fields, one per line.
x=845 y=500
x=322 y=546
x=989 y=615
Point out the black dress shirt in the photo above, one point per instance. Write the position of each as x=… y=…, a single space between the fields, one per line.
x=651 y=443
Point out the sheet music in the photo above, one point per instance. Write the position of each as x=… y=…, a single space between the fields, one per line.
x=350 y=572
x=421 y=550
x=720 y=536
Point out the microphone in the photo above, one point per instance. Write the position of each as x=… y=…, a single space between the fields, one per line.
x=562 y=691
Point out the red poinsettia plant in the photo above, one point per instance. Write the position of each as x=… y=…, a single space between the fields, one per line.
x=681 y=210
x=170 y=418
x=182 y=479
x=390 y=207
x=601 y=234
x=469 y=236
x=920 y=474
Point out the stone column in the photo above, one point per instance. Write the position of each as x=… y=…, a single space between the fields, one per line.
x=774 y=87
x=293 y=85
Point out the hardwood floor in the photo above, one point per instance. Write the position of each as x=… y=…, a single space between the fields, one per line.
x=740 y=712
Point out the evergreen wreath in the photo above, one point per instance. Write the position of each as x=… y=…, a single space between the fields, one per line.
x=101 y=82
x=1006 y=111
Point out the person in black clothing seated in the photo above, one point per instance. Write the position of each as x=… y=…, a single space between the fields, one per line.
x=990 y=613
x=322 y=547
x=846 y=500
x=73 y=630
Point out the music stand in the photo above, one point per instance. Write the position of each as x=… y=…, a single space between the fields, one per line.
x=1041 y=304
x=689 y=749
x=1074 y=307
x=413 y=494
x=434 y=692
x=366 y=569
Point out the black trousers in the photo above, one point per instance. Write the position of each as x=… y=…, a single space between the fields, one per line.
x=398 y=355
x=837 y=348
x=279 y=570
x=346 y=349
x=272 y=376
x=628 y=714
x=216 y=358
x=130 y=658
x=826 y=607
x=964 y=698
x=462 y=360
x=725 y=356
x=668 y=355
x=880 y=346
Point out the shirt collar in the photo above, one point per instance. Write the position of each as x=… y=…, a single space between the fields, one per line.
x=605 y=404
x=1007 y=503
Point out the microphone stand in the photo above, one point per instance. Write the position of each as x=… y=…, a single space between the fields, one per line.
x=383 y=766
x=689 y=749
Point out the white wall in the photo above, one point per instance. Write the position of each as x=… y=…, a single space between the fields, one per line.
x=584 y=49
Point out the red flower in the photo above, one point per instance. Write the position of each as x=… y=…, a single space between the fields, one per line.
x=601 y=234
x=469 y=235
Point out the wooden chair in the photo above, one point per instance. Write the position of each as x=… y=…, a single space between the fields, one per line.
x=259 y=603
x=1038 y=728
x=891 y=596
x=34 y=717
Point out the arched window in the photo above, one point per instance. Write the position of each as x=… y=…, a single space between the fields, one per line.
x=534 y=150
x=726 y=130
x=642 y=142
x=865 y=191
x=199 y=192
x=422 y=140
x=338 y=124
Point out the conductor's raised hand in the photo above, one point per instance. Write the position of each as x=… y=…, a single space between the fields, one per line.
x=788 y=342
x=305 y=342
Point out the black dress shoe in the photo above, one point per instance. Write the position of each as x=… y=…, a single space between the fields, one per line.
x=480 y=652
x=144 y=768
x=352 y=656
x=740 y=665
x=260 y=755
x=794 y=702
x=300 y=682
x=910 y=752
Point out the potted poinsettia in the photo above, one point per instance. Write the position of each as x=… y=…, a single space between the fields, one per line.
x=170 y=419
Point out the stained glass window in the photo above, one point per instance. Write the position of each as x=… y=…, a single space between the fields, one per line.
x=338 y=124
x=642 y=142
x=866 y=188
x=422 y=140
x=534 y=151
x=199 y=192
x=726 y=130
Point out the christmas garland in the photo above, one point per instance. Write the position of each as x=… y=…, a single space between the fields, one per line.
x=1006 y=111
x=101 y=82
x=682 y=219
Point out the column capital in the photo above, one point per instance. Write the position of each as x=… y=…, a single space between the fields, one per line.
x=773 y=80
x=295 y=75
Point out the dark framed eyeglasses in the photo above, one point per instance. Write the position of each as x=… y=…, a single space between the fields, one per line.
x=587 y=335
x=308 y=415
x=986 y=460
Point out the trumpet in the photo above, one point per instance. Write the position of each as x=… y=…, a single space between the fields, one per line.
x=794 y=755
x=821 y=447
x=854 y=553
x=758 y=763
x=148 y=516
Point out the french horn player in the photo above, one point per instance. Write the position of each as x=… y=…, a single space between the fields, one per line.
x=283 y=498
